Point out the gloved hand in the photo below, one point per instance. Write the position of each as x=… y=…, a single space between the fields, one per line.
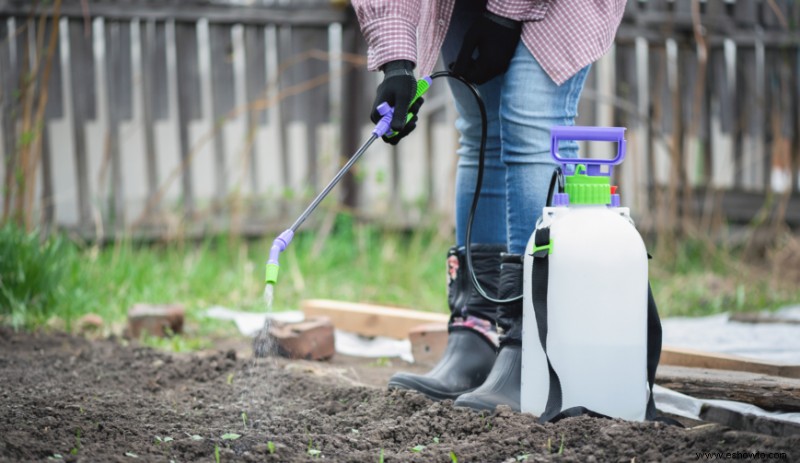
x=398 y=89
x=495 y=38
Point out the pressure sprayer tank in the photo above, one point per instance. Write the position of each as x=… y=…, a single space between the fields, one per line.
x=596 y=292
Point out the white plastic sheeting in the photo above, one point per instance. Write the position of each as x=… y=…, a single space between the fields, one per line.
x=777 y=342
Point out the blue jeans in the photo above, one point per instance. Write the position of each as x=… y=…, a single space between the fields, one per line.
x=522 y=105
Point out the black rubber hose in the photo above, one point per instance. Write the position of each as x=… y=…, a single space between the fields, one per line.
x=478 y=185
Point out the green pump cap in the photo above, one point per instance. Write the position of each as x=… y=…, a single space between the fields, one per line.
x=587 y=189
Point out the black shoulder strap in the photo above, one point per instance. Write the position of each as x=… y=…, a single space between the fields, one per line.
x=540 y=277
x=653 y=350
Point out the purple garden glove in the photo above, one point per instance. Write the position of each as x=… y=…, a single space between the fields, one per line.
x=495 y=39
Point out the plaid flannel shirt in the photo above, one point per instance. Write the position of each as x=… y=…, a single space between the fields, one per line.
x=563 y=35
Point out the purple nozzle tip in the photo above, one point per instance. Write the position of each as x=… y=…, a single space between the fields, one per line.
x=428 y=80
x=279 y=245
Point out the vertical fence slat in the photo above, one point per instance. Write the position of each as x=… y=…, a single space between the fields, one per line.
x=147 y=66
x=8 y=79
x=189 y=104
x=255 y=93
x=723 y=162
x=117 y=107
x=223 y=99
x=81 y=58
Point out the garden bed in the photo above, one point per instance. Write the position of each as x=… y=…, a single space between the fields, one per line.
x=67 y=397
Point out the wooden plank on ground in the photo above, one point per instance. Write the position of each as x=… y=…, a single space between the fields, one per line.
x=748 y=422
x=765 y=391
x=761 y=317
x=699 y=359
x=369 y=319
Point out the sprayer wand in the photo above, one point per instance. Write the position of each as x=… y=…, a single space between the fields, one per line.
x=382 y=128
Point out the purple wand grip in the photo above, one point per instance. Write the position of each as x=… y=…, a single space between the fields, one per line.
x=279 y=245
x=382 y=127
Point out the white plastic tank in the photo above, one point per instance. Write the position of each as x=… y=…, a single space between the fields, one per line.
x=597 y=295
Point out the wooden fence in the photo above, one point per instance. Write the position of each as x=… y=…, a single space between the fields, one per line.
x=184 y=116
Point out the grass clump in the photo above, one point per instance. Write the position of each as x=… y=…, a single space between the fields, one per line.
x=32 y=275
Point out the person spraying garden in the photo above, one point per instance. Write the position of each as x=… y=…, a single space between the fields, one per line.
x=529 y=59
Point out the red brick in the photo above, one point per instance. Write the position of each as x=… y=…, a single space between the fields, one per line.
x=428 y=342
x=312 y=339
x=155 y=320
x=89 y=324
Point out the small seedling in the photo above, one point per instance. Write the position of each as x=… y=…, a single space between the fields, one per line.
x=55 y=456
x=382 y=362
x=311 y=450
x=162 y=440
x=523 y=457
x=230 y=378
x=196 y=437
x=453 y=457
x=244 y=420
x=216 y=453
x=271 y=447
x=354 y=430
x=561 y=447
x=230 y=436
x=77 y=447
x=418 y=448
x=380 y=457
x=131 y=454
x=436 y=439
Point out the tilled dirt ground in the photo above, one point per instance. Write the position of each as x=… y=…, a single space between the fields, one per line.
x=66 y=397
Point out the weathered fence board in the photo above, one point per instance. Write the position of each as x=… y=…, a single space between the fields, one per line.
x=194 y=115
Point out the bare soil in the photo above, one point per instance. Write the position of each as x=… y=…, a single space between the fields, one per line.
x=105 y=401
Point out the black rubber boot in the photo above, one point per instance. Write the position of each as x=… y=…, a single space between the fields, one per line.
x=503 y=384
x=470 y=354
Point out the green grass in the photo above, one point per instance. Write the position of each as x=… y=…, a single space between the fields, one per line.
x=60 y=280
x=356 y=262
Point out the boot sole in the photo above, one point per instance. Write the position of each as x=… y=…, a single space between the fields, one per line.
x=431 y=393
x=480 y=405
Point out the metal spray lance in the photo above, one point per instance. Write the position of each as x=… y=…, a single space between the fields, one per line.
x=381 y=128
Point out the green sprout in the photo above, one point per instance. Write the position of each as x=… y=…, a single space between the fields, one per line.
x=418 y=448
x=230 y=436
x=314 y=452
x=453 y=457
x=216 y=453
x=77 y=447
x=271 y=447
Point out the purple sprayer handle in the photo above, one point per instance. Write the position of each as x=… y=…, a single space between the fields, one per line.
x=613 y=134
x=382 y=127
